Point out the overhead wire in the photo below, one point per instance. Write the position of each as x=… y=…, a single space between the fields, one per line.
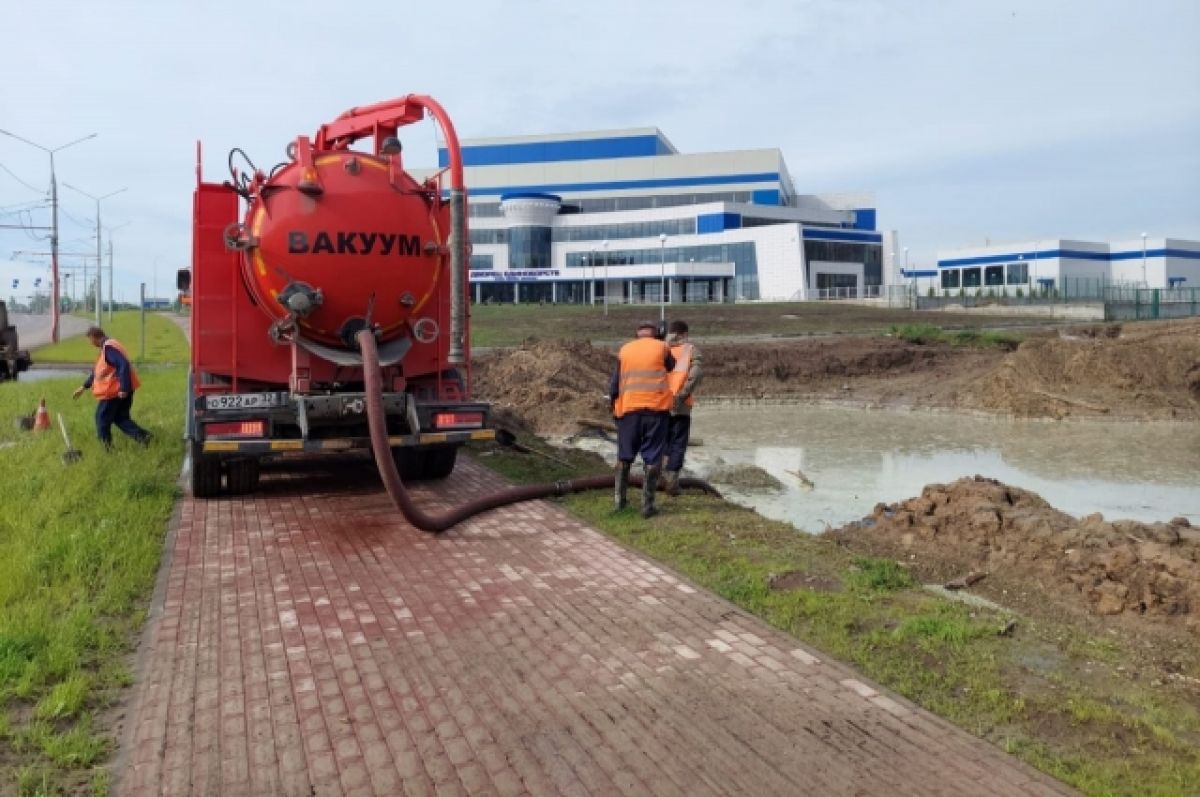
x=22 y=182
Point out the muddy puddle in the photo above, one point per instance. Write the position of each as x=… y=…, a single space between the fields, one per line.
x=857 y=458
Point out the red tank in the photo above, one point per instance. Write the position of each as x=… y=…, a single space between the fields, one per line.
x=289 y=265
x=361 y=235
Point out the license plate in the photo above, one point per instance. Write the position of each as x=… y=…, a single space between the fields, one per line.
x=244 y=401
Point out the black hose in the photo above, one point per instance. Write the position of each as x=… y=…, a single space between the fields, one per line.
x=377 y=422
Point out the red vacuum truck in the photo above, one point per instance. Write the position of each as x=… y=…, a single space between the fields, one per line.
x=291 y=264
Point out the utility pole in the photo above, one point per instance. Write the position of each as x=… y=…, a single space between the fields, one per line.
x=99 y=252
x=53 y=224
x=111 y=279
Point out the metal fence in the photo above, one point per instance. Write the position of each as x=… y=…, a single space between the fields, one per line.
x=1138 y=304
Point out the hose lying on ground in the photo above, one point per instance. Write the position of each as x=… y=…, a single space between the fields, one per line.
x=377 y=422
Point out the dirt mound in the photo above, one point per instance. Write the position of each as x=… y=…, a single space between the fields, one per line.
x=1149 y=371
x=1120 y=567
x=544 y=386
x=815 y=366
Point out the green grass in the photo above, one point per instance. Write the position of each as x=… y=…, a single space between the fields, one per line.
x=509 y=325
x=79 y=548
x=925 y=333
x=1104 y=732
x=165 y=342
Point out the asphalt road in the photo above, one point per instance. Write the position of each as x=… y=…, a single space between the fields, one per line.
x=34 y=330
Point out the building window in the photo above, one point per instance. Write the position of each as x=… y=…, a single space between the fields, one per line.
x=950 y=278
x=529 y=247
x=869 y=255
x=1018 y=273
x=635 y=229
x=488 y=236
x=971 y=277
x=993 y=275
x=481 y=263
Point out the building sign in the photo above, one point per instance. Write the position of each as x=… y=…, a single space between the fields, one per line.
x=514 y=275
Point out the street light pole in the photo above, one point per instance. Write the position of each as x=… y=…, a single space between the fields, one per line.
x=99 y=253
x=911 y=282
x=1144 y=282
x=662 y=276
x=604 y=246
x=111 y=280
x=53 y=224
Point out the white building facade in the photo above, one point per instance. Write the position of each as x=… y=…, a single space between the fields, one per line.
x=1066 y=267
x=621 y=216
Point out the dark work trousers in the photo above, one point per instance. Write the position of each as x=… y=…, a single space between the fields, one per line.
x=642 y=432
x=116 y=411
x=677 y=440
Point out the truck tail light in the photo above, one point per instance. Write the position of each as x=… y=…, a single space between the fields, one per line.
x=235 y=429
x=457 y=420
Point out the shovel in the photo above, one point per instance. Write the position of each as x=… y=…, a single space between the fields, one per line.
x=509 y=440
x=71 y=454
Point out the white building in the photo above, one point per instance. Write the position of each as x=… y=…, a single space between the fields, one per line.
x=1067 y=267
x=621 y=215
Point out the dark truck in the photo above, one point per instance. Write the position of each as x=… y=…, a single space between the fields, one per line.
x=12 y=359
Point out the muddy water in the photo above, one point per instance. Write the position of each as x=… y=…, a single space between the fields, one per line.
x=856 y=458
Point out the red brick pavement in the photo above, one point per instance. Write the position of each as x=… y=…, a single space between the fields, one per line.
x=310 y=642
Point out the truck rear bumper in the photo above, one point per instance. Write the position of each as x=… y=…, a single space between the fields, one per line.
x=259 y=446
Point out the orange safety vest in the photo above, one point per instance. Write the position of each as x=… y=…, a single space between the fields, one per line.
x=682 y=353
x=642 y=382
x=105 y=384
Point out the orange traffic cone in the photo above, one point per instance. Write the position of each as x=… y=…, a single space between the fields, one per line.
x=41 y=420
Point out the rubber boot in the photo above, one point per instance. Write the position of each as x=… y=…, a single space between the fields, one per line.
x=649 y=486
x=621 y=486
x=671 y=482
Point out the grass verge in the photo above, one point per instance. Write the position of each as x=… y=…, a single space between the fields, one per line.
x=79 y=548
x=165 y=343
x=509 y=324
x=921 y=334
x=1046 y=693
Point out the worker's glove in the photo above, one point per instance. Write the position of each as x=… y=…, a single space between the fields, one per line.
x=78 y=392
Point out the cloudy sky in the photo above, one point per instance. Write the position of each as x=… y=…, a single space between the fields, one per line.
x=971 y=120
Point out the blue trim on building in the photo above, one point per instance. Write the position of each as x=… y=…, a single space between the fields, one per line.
x=768 y=196
x=819 y=234
x=1070 y=254
x=1188 y=254
x=718 y=222
x=932 y=272
x=620 y=185
x=530 y=195
x=864 y=218
x=557 y=151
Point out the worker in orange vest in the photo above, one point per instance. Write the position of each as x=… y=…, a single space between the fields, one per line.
x=683 y=379
x=113 y=382
x=641 y=400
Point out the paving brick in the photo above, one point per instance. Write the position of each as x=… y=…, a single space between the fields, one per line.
x=310 y=640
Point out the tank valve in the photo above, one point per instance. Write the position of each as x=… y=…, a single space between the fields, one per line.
x=300 y=298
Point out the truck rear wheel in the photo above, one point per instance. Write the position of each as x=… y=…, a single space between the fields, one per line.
x=439 y=462
x=242 y=476
x=421 y=464
x=206 y=476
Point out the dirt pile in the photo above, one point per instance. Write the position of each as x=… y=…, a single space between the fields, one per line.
x=1149 y=371
x=1151 y=570
x=826 y=367
x=545 y=386
x=1144 y=371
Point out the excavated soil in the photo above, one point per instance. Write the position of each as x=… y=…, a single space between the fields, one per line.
x=1036 y=558
x=1145 y=371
